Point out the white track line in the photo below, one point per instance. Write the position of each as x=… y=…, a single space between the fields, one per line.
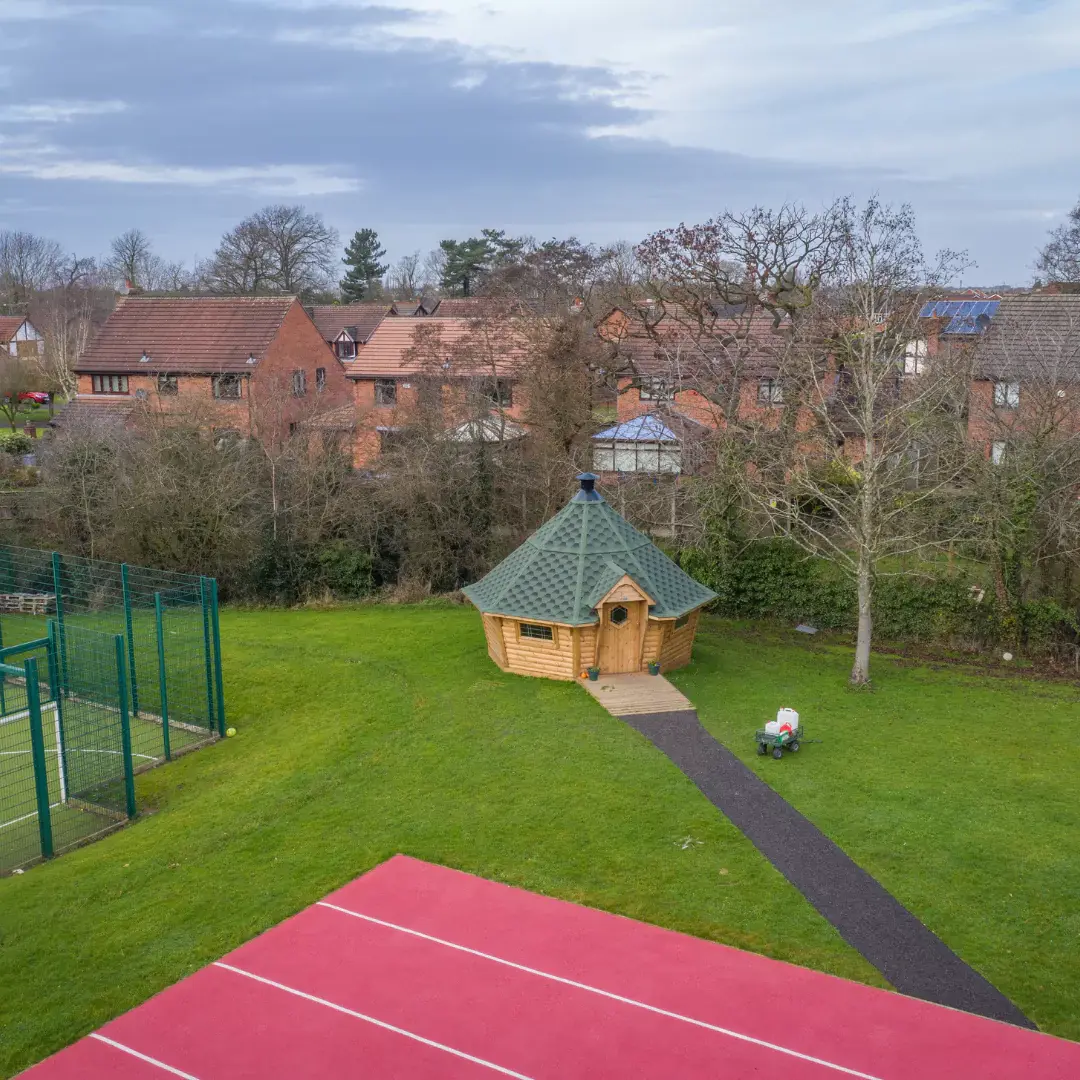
x=142 y=1057
x=371 y=1020
x=608 y=994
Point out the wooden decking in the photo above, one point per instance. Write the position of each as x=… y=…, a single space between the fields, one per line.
x=636 y=693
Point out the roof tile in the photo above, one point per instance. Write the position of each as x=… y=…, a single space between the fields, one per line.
x=204 y=334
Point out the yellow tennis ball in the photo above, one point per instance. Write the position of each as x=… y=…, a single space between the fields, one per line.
x=230 y=732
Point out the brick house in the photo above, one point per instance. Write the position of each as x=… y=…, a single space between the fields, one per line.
x=469 y=365
x=19 y=338
x=250 y=364
x=1026 y=370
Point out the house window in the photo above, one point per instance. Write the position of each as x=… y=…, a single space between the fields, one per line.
x=110 y=384
x=345 y=348
x=385 y=392
x=770 y=392
x=167 y=385
x=681 y=621
x=498 y=392
x=997 y=452
x=320 y=380
x=915 y=358
x=655 y=390
x=618 y=615
x=1006 y=395
x=541 y=633
x=299 y=382
x=226 y=386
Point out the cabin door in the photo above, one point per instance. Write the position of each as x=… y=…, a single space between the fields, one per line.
x=622 y=623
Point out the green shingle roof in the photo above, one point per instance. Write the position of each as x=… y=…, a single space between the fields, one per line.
x=564 y=569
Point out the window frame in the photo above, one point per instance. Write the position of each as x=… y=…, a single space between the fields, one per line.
x=227 y=379
x=167 y=385
x=320 y=380
x=499 y=392
x=770 y=392
x=655 y=388
x=682 y=621
x=547 y=634
x=624 y=621
x=1006 y=394
x=109 y=384
x=345 y=348
x=998 y=449
x=915 y=356
x=299 y=383
x=383 y=389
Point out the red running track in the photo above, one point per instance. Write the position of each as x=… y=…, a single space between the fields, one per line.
x=417 y=971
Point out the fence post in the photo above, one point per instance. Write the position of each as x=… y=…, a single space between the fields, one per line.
x=54 y=690
x=59 y=599
x=125 y=727
x=3 y=678
x=220 y=682
x=130 y=630
x=159 y=622
x=207 y=653
x=37 y=753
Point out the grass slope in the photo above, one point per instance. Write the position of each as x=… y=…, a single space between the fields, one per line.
x=959 y=792
x=365 y=732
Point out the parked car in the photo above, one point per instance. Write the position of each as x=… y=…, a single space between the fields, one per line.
x=38 y=397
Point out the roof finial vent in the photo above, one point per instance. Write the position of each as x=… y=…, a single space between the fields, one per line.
x=587 y=492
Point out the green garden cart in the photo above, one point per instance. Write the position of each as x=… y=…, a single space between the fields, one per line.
x=785 y=740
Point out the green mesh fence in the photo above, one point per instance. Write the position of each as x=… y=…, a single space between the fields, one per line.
x=129 y=675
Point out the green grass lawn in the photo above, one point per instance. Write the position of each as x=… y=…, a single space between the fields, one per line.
x=369 y=731
x=958 y=791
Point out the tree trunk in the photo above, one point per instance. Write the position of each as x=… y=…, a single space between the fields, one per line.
x=860 y=671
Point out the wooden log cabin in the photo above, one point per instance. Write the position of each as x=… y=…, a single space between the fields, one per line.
x=587 y=589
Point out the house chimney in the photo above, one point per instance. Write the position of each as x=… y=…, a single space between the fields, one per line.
x=587 y=494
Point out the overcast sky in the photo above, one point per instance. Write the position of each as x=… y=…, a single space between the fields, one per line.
x=601 y=118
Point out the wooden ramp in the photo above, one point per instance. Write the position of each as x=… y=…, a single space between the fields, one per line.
x=636 y=693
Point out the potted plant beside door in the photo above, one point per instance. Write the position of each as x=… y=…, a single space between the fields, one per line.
x=654 y=667
x=594 y=673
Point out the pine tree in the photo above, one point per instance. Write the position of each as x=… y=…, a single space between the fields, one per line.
x=362 y=258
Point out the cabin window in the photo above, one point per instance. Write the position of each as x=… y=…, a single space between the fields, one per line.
x=167 y=385
x=618 y=615
x=320 y=380
x=770 y=392
x=226 y=386
x=540 y=633
x=110 y=384
x=681 y=621
x=385 y=392
x=1006 y=395
x=299 y=382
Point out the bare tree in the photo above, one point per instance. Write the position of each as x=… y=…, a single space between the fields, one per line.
x=27 y=263
x=17 y=377
x=1059 y=260
x=129 y=258
x=278 y=249
x=403 y=280
x=67 y=314
x=854 y=446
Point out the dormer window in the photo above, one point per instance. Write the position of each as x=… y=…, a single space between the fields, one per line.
x=145 y=358
x=345 y=347
x=251 y=359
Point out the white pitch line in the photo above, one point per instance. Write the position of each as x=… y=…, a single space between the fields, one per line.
x=608 y=994
x=142 y=1057
x=372 y=1020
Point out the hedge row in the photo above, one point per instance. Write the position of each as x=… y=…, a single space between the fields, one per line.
x=776 y=579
